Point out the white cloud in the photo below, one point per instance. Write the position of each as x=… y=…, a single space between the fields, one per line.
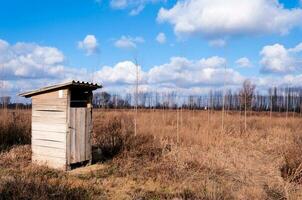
x=135 y=6
x=161 y=38
x=243 y=62
x=128 y=42
x=27 y=66
x=26 y=60
x=123 y=73
x=216 y=18
x=217 y=43
x=89 y=44
x=277 y=59
x=184 y=73
x=179 y=73
x=30 y=62
x=282 y=81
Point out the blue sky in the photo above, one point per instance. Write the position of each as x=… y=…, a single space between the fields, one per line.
x=181 y=45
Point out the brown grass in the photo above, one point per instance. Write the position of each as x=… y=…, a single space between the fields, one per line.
x=263 y=162
x=14 y=128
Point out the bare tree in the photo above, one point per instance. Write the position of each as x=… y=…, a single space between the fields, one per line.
x=246 y=97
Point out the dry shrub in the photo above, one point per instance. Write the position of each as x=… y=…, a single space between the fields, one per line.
x=15 y=129
x=115 y=135
x=292 y=169
x=19 y=179
x=39 y=187
x=16 y=158
x=110 y=136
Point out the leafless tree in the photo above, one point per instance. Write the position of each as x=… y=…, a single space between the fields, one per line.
x=246 y=97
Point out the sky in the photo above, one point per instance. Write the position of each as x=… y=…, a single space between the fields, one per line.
x=189 y=46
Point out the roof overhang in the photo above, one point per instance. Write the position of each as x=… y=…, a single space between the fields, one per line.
x=71 y=84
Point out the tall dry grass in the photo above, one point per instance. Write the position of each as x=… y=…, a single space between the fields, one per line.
x=263 y=162
x=15 y=128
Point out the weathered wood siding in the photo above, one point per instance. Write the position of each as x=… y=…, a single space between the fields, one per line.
x=80 y=125
x=49 y=128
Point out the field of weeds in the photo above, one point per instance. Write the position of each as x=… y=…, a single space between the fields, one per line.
x=174 y=155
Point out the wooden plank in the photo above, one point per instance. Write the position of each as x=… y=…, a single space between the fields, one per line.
x=49 y=120
x=51 y=95
x=53 y=137
x=82 y=131
x=36 y=113
x=72 y=135
x=50 y=102
x=37 y=126
x=49 y=134
x=49 y=143
x=77 y=134
x=49 y=151
x=57 y=163
x=88 y=133
x=68 y=129
x=49 y=107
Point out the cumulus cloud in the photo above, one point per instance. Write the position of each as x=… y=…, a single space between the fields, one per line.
x=179 y=74
x=26 y=60
x=123 y=73
x=263 y=82
x=184 y=73
x=277 y=59
x=28 y=65
x=244 y=62
x=161 y=38
x=216 y=18
x=128 y=42
x=135 y=6
x=89 y=44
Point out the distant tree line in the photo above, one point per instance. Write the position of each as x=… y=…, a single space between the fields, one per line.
x=277 y=99
x=5 y=102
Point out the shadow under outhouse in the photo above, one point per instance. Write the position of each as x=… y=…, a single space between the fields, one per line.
x=62 y=124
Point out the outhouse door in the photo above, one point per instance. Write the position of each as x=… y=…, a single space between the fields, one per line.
x=80 y=126
x=80 y=133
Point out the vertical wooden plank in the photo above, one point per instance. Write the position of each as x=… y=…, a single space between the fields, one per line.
x=82 y=131
x=68 y=143
x=88 y=133
x=72 y=135
x=77 y=135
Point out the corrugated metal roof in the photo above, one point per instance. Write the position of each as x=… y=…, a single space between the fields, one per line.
x=71 y=84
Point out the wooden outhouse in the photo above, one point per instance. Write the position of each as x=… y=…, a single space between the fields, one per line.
x=62 y=124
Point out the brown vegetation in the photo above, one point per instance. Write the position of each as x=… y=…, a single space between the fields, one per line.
x=263 y=162
x=14 y=128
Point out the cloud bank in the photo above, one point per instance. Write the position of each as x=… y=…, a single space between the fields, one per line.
x=219 y=18
x=25 y=66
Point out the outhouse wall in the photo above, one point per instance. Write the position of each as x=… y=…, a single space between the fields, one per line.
x=49 y=128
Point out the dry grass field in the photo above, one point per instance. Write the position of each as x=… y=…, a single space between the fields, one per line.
x=174 y=155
